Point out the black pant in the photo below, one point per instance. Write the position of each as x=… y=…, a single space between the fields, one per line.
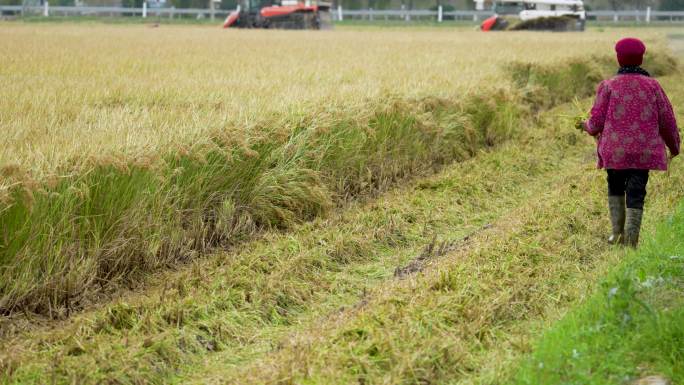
x=630 y=182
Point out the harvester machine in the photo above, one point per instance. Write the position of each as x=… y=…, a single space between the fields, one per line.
x=535 y=15
x=283 y=14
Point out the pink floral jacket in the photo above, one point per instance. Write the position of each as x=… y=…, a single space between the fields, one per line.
x=634 y=121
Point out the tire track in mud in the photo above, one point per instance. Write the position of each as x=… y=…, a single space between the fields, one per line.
x=435 y=250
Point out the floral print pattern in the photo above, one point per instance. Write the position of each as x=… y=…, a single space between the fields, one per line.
x=634 y=122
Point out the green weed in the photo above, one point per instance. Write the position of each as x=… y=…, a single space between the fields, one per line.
x=632 y=326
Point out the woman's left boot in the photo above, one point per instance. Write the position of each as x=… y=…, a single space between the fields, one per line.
x=633 y=227
x=616 y=206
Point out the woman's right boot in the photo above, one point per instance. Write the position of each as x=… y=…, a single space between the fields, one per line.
x=616 y=205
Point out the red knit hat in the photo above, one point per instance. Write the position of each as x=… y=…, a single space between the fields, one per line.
x=630 y=52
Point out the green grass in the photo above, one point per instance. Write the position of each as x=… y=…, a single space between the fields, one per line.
x=632 y=326
x=469 y=316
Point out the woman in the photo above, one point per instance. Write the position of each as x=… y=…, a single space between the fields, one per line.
x=633 y=121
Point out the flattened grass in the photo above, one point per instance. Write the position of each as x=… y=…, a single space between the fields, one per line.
x=242 y=304
x=238 y=317
x=474 y=312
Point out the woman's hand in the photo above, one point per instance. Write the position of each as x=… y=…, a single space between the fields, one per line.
x=670 y=156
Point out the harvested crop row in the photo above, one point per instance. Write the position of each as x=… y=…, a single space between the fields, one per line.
x=471 y=314
x=239 y=307
x=242 y=304
x=123 y=220
x=73 y=238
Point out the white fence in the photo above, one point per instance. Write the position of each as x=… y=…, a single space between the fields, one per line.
x=439 y=14
x=48 y=10
x=404 y=14
x=338 y=14
x=647 y=15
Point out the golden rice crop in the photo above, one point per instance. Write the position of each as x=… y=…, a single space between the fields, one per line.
x=126 y=149
x=68 y=93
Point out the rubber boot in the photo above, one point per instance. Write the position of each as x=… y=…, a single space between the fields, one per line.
x=633 y=227
x=616 y=206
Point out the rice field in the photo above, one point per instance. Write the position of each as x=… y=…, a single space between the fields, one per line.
x=129 y=148
x=185 y=204
x=69 y=94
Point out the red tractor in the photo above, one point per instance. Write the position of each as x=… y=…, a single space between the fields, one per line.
x=283 y=14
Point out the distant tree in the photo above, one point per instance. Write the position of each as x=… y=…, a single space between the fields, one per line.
x=616 y=5
x=228 y=4
x=131 y=3
x=445 y=8
x=640 y=4
x=351 y=4
x=469 y=4
x=189 y=3
x=672 y=5
x=382 y=4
